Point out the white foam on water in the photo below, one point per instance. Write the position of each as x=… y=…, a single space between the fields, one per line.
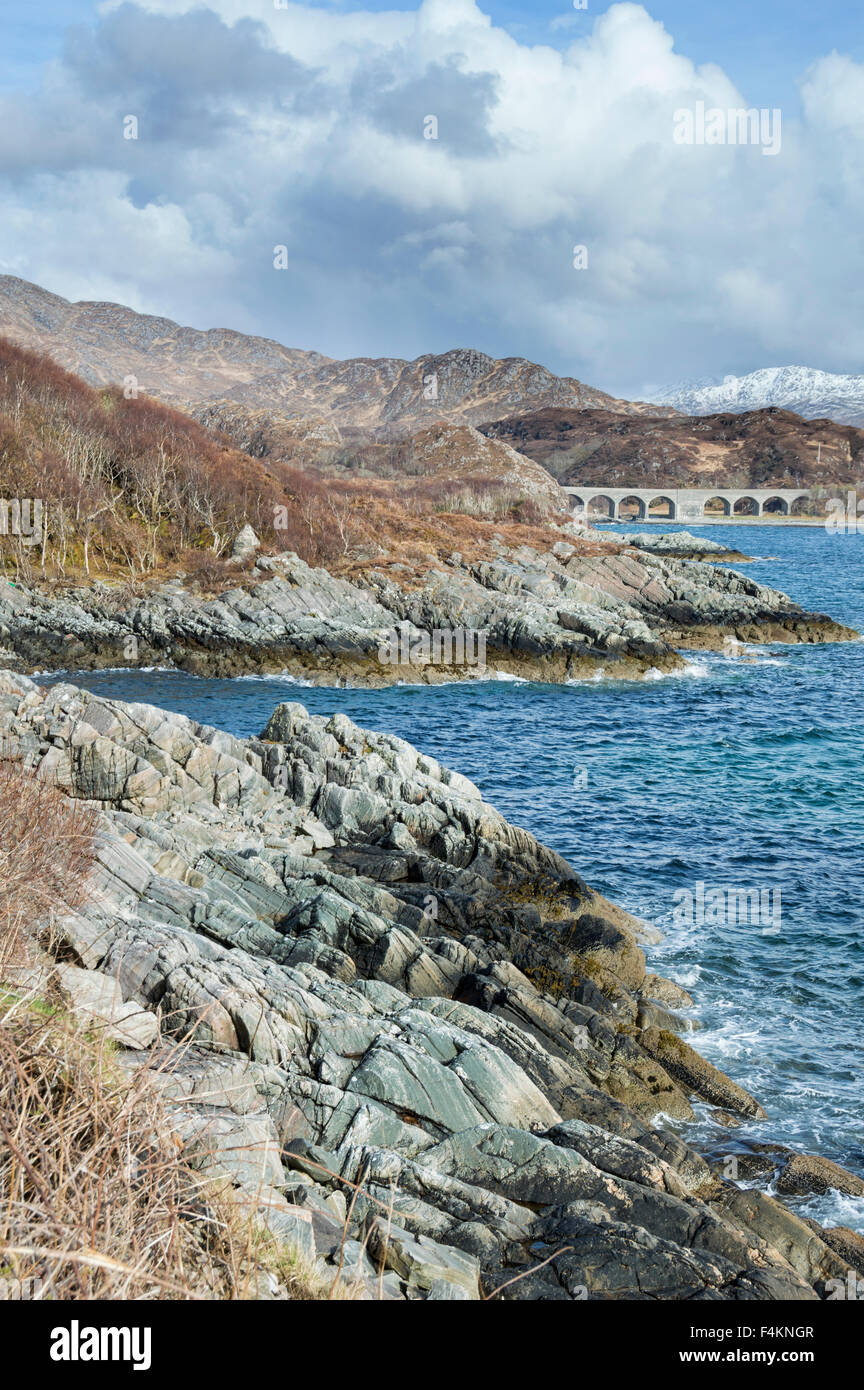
x=750 y=653
x=278 y=677
x=594 y=679
x=730 y=1040
x=831 y=1208
x=109 y=671
x=691 y=670
x=484 y=678
x=687 y=978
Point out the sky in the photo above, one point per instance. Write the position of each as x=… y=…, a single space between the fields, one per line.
x=391 y=180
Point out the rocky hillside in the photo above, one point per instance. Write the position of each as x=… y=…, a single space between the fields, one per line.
x=803 y=390
x=309 y=439
x=452 y=457
x=106 y=343
x=417 y=1043
x=458 y=458
x=758 y=448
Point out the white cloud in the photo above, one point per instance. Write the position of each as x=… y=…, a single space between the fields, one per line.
x=306 y=128
x=833 y=94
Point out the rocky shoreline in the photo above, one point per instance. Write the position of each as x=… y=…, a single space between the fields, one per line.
x=574 y=611
x=682 y=545
x=417 y=1041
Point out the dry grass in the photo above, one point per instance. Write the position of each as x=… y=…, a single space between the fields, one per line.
x=93 y=1196
x=98 y=1200
x=46 y=847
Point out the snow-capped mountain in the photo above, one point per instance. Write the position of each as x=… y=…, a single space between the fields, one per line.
x=805 y=390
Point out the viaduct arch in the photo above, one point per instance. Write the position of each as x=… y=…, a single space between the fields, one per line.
x=684 y=504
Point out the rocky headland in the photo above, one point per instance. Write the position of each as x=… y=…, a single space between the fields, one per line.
x=683 y=545
x=418 y=1045
x=585 y=606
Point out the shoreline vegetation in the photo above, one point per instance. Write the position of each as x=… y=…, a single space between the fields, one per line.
x=314 y=979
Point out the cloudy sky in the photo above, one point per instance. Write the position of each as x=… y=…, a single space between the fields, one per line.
x=264 y=124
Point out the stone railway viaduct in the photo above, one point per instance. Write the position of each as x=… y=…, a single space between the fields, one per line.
x=684 y=504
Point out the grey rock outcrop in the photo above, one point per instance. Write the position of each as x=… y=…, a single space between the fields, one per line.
x=680 y=545
x=246 y=544
x=410 y=1031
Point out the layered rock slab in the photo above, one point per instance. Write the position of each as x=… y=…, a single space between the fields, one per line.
x=473 y=1082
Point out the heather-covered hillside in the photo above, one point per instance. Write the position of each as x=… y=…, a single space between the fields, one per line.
x=132 y=486
x=758 y=448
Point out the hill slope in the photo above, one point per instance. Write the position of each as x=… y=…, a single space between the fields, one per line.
x=137 y=486
x=105 y=343
x=759 y=448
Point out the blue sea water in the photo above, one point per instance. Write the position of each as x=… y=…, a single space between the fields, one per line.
x=743 y=773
